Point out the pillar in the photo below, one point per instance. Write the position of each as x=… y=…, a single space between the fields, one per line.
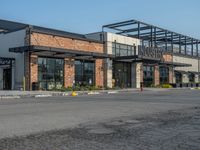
x=156 y=75
x=69 y=72
x=33 y=70
x=136 y=74
x=108 y=73
x=99 y=72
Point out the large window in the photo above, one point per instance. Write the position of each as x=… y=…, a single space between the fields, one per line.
x=84 y=72
x=122 y=49
x=148 y=75
x=50 y=73
x=164 y=75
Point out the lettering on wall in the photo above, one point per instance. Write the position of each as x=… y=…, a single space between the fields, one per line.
x=150 y=53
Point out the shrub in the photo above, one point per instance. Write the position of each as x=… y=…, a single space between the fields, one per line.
x=166 y=86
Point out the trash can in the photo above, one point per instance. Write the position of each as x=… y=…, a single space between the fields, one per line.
x=35 y=86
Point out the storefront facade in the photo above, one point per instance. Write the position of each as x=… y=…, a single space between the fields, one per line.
x=37 y=58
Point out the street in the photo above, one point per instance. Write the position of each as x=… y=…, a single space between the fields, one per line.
x=157 y=119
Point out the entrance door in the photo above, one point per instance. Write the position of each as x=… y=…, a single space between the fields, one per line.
x=7 y=79
x=122 y=74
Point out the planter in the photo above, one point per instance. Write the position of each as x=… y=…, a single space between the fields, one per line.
x=193 y=85
x=189 y=84
x=184 y=85
x=173 y=85
x=176 y=85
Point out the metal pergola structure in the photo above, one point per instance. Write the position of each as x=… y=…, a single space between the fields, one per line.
x=153 y=36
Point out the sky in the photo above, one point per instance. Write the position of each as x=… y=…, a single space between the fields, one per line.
x=86 y=16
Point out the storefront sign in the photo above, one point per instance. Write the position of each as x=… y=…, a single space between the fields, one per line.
x=150 y=53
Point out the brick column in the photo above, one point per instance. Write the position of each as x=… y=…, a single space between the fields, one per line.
x=27 y=71
x=99 y=73
x=33 y=70
x=69 y=72
x=156 y=75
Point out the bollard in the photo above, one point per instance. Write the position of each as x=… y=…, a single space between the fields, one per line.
x=141 y=86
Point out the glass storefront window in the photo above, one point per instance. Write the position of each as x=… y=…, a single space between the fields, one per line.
x=122 y=49
x=148 y=75
x=164 y=75
x=50 y=73
x=191 y=77
x=84 y=72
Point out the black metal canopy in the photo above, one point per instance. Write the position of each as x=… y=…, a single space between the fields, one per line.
x=180 y=71
x=194 y=72
x=156 y=36
x=58 y=52
x=149 y=61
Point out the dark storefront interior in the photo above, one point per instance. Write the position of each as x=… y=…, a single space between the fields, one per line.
x=6 y=64
x=84 y=72
x=164 y=74
x=50 y=73
x=148 y=75
x=122 y=74
x=7 y=78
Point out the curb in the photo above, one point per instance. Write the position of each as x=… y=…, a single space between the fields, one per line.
x=39 y=96
x=112 y=92
x=63 y=94
x=93 y=93
x=10 y=97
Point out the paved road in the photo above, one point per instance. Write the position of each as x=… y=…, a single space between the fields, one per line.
x=88 y=120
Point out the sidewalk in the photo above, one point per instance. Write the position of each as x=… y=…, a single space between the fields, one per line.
x=37 y=94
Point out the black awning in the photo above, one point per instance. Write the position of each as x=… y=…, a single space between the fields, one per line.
x=181 y=72
x=148 y=60
x=136 y=58
x=59 y=52
x=194 y=72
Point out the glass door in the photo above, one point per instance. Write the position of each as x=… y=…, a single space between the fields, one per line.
x=122 y=74
x=7 y=79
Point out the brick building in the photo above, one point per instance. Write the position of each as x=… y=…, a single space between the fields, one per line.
x=47 y=59
x=50 y=58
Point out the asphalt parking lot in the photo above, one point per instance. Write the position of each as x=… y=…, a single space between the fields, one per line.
x=148 y=120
